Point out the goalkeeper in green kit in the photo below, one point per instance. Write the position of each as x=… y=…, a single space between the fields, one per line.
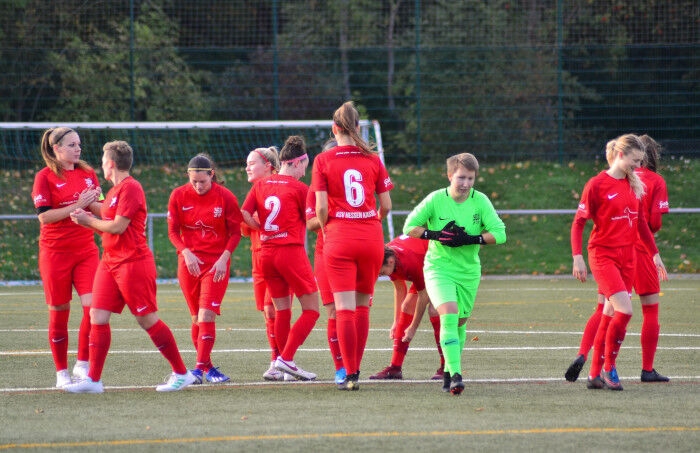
x=457 y=220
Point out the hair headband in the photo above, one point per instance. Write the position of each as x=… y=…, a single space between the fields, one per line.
x=297 y=159
x=262 y=156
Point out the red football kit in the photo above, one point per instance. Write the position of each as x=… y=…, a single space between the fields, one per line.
x=207 y=225
x=68 y=254
x=654 y=205
x=127 y=271
x=351 y=178
x=410 y=254
x=617 y=222
x=280 y=202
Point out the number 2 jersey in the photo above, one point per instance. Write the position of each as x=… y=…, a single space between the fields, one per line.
x=280 y=201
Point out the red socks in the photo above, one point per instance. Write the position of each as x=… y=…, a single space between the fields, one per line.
x=205 y=344
x=84 y=336
x=400 y=347
x=347 y=338
x=58 y=337
x=194 y=334
x=362 y=332
x=271 y=338
x=590 y=331
x=283 y=320
x=599 y=346
x=300 y=330
x=650 y=335
x=163 y=338
x=615 y=336
x=332 y=333
x=100 y=339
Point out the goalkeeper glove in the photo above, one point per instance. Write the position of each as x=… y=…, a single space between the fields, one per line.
x=455 y=236
x=439 y=235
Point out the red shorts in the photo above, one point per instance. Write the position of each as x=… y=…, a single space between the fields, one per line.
x=202 y=291
x=351 y=266
x=287 y=268
x=132 y=284
x=324 y=288
x=612 y=268
x=262 y=295
x=646 y=277
x=61 y=270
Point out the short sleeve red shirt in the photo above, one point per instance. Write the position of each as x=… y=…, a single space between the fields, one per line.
x=614 y=209
x=53 y=192
x=410 y=254
x=351 y=178
x=126 y=199
x=655 y=201
x=280 y=202
x=206 y=224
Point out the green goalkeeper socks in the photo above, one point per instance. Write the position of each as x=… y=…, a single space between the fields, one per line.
x=450 y=342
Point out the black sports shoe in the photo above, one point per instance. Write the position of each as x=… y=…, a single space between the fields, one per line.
x=653 y=376
x=595 y=384
x=350 y=382
x=456 y=386
x=446 y=381
x=574 y=369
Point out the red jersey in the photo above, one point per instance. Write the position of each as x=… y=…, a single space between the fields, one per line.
x=280 y=201
x=616 y=214
x=126 y=199
x=410 y=254
x=53 y=192
x=351 y=177
x=206 y=224
x=655 y=200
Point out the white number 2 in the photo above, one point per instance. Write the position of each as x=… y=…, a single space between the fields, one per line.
x=354 y=192
x=273 y=205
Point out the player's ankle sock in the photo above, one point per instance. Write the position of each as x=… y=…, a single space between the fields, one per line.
x=362 y=331
x=449 y=340
x=400 y=347
x=299 y=332
x=590 y=331
x=283 y=320
x=58 y=337
x=205 y=344
x=271 y=338
x=615 y=337
x=100 y=340
x=84 y=336
x=162 y=337
x=347 y=338
x=435 y=322
x=333 y=346
x=650 y=335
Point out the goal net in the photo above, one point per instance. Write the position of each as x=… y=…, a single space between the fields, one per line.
x=161 y=144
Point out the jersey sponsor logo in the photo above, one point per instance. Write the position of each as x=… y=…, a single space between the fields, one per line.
x=218 y=211
x=611 y=196
x=59 y=185
x=356 y=215
x=187 y=208
x=582 y=206
x=663 y=204
x=203 y=228
x=113 y=202
x=387 y=182
x=38 y=199
x=628 y=215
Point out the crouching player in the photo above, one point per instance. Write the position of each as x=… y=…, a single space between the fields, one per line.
x=456 y=220
x=403 y=262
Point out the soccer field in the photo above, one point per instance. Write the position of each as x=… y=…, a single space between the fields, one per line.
x=521 y=338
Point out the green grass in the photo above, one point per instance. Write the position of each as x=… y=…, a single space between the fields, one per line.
x=521 y=338
x=537 y=244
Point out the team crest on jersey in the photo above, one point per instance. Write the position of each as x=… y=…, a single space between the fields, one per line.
x=218 y=211
x=113 y=202
x=88 y=182
x=476 y=219
x=663 y=204
x=387 y=182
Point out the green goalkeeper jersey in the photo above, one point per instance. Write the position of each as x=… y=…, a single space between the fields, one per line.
x=476 y=215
